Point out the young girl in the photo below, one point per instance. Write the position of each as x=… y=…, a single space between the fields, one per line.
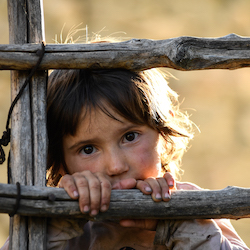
x=119 y=129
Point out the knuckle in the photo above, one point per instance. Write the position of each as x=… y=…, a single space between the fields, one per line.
x=157 y=190
x=65 y=178
x=139 y=182
x=65 y=181
x=84 y=200
x=82 y=183
x=86 y=172
x=106 y=185
x=95 y=204
x=105 y=201
x=95 y=185
x=150 y=179
x=160 y=179
x=143 y=186
x=168 y=175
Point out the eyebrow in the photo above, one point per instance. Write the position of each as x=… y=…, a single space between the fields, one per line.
x=93 y=140
x=80 y=143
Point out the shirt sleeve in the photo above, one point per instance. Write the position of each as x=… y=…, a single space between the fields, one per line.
x=230 y=235
x=194 y=234
x=61 y=230
x=198 y=234
x=6 y=245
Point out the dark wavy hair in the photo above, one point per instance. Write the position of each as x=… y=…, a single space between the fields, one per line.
x=140 y=97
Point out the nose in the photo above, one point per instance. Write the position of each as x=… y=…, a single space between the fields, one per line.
x=115 y=163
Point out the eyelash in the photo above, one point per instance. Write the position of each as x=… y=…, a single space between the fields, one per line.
x=93 y=149
x=135 y=134
x=82 y=150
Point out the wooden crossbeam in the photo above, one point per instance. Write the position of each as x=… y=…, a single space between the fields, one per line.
x=182 y=53
x=231 y=203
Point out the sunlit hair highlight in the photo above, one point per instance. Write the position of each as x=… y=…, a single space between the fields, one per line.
x=140 y=97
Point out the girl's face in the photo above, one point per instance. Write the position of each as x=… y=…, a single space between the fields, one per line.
x=118 y=148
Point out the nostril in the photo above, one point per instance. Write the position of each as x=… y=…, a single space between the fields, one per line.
x=117 y=169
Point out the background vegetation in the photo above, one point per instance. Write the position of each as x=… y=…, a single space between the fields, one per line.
x=218 y=100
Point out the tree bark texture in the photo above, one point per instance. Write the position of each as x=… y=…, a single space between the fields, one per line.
x=28 y=125
x=182 y=53
x=231 y=202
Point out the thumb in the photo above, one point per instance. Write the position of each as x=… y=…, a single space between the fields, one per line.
x=125 y=184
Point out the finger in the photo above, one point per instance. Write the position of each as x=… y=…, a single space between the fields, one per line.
x=94 y=189
x=144 y=187
x=84 y=192
x=156 y=189
x=142 y=224
x=165 y=192
x=67 y=182
x=170 y=180
x=125 y=184
x=105 y=192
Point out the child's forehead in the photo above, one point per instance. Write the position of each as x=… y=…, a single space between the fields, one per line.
x=98 y=121
x=92 y=115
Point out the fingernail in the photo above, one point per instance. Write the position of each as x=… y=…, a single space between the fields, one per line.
x=158 y=196
x=94 y=213
x=75 y=193
x=86 y=209
x=171 y=184
x=148 y=189
x=167 y=196
x=104 y=208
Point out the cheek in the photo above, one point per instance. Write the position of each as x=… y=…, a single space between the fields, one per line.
x=75 y=163
x=148 y=161
x=72 y=164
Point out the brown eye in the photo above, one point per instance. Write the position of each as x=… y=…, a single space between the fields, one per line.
x=130 y=136
x=87 y=149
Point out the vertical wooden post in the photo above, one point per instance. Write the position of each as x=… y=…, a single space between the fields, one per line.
x=28 y=124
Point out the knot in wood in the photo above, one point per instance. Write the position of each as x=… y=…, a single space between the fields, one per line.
x=39 y=52
x=134 y=40
x=51 y=197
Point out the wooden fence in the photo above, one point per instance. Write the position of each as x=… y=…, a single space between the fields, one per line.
x=28 y=124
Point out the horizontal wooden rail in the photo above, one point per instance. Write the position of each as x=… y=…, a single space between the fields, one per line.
x=231 y=202
x=182 y=53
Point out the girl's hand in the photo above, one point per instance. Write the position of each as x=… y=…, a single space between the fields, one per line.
x=92 y=189
x=160 y=189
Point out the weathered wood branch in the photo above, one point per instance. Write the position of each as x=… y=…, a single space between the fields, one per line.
x=182 y=53
x=28 y=124
x=231 y=202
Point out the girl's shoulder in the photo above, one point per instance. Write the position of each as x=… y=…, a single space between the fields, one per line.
x=187 y=186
